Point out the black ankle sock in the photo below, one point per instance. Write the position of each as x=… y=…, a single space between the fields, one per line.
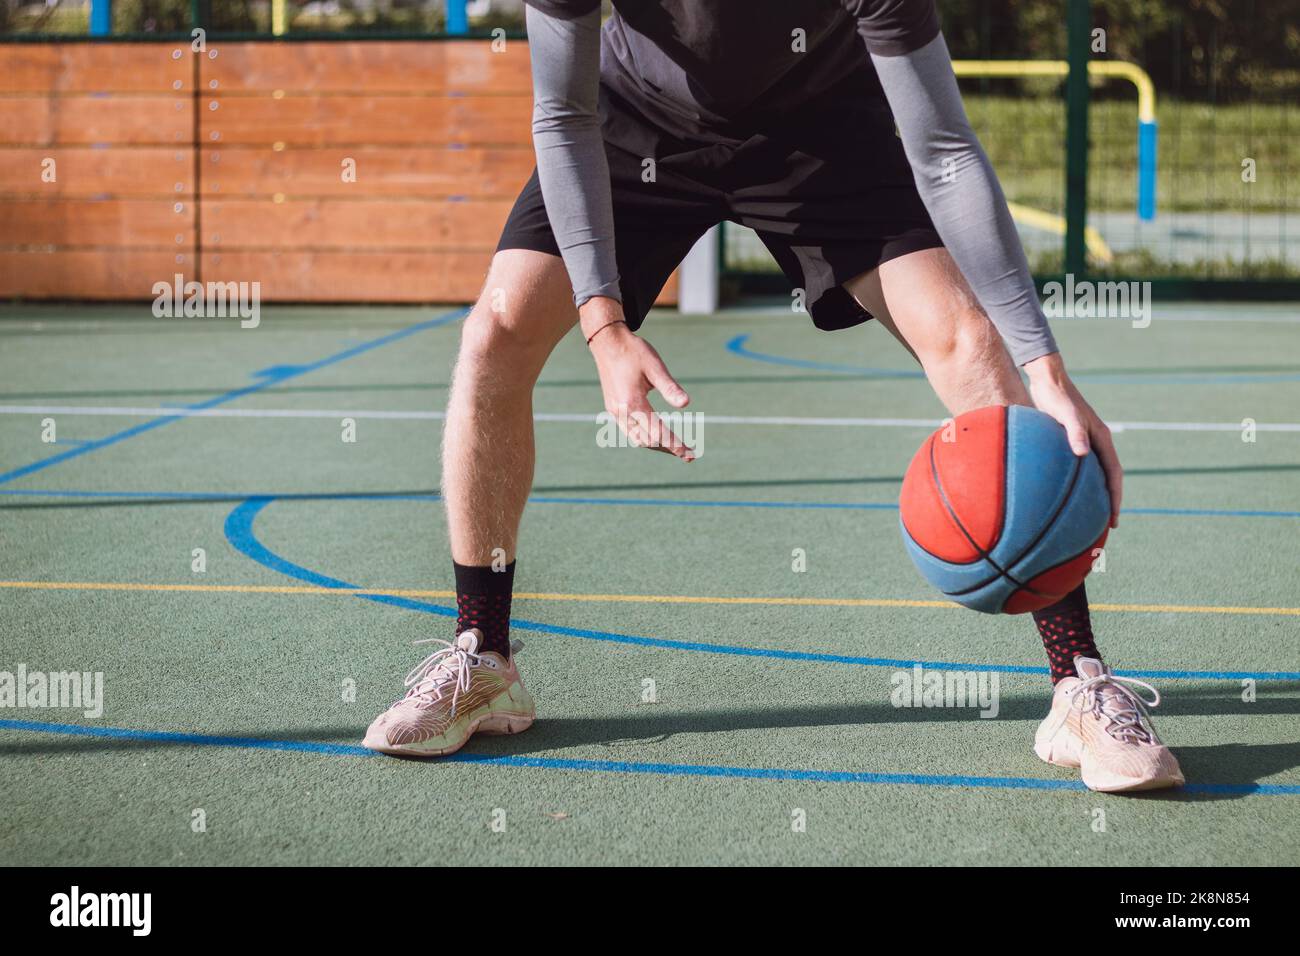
x=1066 y=629
x=483 y=601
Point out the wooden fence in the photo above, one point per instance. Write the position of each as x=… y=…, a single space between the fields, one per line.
x=326 y=171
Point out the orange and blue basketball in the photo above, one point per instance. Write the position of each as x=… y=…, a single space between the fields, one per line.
x=999 y=514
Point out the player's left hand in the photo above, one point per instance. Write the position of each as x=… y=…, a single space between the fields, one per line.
x=1054 y=393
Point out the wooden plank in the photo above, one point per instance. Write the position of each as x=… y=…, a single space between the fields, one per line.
x=95 y=67
x=455 y=66
x=112 y=223
x=366 y=120
x=276 y=122
x=76 y=274
x=126 y=172
x=285 y=277
x=669 y=294
x=417 y=173
x=379 y=276
x=363 y=277
x=92 y=120
x=363 y=224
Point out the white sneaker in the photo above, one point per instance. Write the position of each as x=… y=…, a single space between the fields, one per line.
x=1099 y=724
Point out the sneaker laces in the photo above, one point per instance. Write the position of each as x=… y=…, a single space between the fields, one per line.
x=450 y=665
x=1125 y=709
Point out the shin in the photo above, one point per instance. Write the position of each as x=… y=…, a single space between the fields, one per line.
x=487 y=450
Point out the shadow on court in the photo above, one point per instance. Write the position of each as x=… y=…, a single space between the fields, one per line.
x=144 y=500
x=1233 y=764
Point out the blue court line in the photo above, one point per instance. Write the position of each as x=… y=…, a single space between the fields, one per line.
x=622 y=766
x=239 y=532
x=268 y=377
x=227 y=496
x=740 y=346
x=555 y=500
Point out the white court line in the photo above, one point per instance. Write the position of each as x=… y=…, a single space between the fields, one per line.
x=123 y=411
x=1234 y=312
x=1290 y=317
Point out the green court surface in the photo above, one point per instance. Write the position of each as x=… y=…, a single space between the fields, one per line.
x=770 y=736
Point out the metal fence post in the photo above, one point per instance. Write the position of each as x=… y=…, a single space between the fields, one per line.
x=101 y=18
x=1078 y=30
x=457 y=18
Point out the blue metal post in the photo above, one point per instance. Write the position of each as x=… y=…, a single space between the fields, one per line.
x=101 y=18
x=1146 y=169
x=457 y=18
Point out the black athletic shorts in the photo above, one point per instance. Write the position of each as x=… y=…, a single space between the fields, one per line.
x=828 y=190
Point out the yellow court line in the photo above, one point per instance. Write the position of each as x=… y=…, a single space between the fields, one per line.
x=608 y=598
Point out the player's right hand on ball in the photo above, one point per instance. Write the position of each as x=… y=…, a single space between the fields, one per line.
x=629 y=369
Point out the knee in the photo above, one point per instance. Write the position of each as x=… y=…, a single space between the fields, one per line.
x=966 y=335
x=494 y=340
x=525 y=308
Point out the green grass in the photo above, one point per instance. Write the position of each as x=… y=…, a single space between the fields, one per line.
x=1201 y=149
x=1148 y=264
x=273 y=666
x=744 y=256
x=1200 y=152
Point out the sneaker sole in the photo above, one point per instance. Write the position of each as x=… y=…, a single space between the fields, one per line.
x=490 y=723
x=1062 y=750
x=1112 y=784
x=494 y=724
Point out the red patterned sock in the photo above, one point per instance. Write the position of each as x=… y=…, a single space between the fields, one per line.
x=1066 y=629
x=483 y=601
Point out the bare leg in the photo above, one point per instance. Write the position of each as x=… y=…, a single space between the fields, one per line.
x=924 y=301
x=525 y=308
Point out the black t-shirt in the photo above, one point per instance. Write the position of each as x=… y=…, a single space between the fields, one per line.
x=697 y=66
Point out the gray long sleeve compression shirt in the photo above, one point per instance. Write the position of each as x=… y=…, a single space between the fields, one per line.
x=953 y=175
x=571 y=162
